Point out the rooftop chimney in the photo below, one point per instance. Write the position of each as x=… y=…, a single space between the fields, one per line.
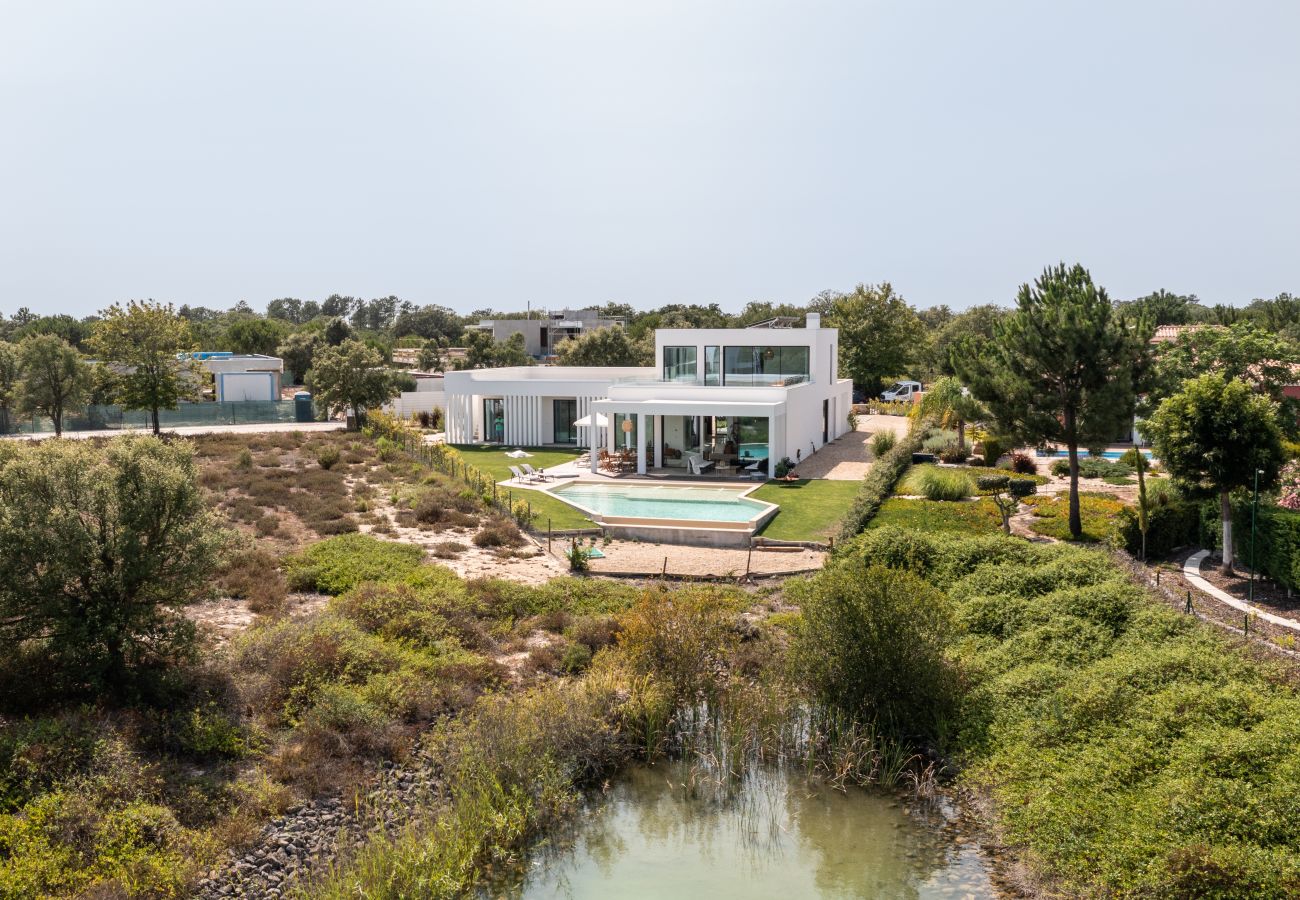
x=814 y=320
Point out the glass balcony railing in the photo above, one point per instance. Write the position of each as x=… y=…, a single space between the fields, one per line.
x=732 y=381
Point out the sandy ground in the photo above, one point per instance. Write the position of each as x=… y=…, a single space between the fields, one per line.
x=649 y=559
x=528 y=564
x=263 y=428
x=226 y=617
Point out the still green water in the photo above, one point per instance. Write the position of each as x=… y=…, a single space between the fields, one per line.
x=653 y=836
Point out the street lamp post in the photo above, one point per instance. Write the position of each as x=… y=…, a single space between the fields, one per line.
x=1254 y=509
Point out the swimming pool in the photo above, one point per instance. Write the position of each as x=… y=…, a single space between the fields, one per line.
x=753 y=451
x=1109 y=454
x=669 y=502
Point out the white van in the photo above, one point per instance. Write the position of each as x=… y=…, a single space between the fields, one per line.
x=902 y=390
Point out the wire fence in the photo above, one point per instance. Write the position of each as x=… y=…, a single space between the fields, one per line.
x=115 y=418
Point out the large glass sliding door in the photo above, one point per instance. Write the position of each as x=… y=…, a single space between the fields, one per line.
x=565 y=413
x=494 y=420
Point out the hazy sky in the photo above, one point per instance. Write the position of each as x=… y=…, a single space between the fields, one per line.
x=484 y=153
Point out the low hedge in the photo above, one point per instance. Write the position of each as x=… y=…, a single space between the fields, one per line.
x=1277 y=540
x=879 y=484
x=340 y=563
x=1169 y=526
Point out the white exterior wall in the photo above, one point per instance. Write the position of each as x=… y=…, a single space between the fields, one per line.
x=236 y=387
x=409 y=402
x=527 y=393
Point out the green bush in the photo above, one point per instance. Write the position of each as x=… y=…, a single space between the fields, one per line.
x=882 y=442
x=944 y=484
x=872 y=646
x=1092 y=467
x=340 y=563
x=1129 y=751
x=328 y=456
x=1023 y=464
x=1277 y=539
x=1170 y=525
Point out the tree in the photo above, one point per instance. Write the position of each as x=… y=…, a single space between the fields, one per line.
x=1163 y=308
x=54 y=378
x=949 y=403
x=1213 y=436
x=610 y=346
x=351 y=378
x=10 y=374
x=482 y=352
x=1245 y=351
x=1061 y=367
x=292 y=310
x=253 y=334
x=976 y=323
x=297 y=351
x=429 y=322
x=337 y=331
x=151 y=345
x=879 y=333
x=1006 y=493
x=99 y=546
x=430 y=357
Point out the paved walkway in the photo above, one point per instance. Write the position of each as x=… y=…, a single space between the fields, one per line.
x=847 y=458
x=247 y=428
x=1192 y=572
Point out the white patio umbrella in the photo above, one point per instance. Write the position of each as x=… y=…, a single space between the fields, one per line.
x=602 y=421
x=518 y=454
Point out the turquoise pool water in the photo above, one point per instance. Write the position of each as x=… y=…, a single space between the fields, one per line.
x=662 y=501
x=753 y=451
x=1109 y=454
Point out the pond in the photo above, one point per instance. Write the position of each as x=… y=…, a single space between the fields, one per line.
x=655 y=834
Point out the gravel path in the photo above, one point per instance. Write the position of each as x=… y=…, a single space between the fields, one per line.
x=649 y=559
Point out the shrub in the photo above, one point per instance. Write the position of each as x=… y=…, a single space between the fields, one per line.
x=1023 y=464
x=878 y=484
x=992 y=483
x=575 y=658
x=954 y=453
x=783 y=467
x=448 y=549
x=882 y=442
x=872 y=646
x=938 y=440
x=99 y=547
x=944 y=484
x=679 y=637
x=499 y=531
x=254 y=575
x=1093 y=467
x=579 y=557
x=328 y=456
x=337 y=564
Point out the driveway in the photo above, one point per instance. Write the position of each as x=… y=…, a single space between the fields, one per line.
x=848 y=457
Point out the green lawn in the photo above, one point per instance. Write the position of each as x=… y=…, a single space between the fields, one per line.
x=811 y=509
x=976 y=517
x=493 y=462
x=1098 y=513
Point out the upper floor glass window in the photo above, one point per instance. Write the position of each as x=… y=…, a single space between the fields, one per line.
x=713 y=365
x=764 y=365
x=680 y=365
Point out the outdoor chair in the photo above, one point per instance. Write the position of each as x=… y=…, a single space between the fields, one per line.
x=534 y=473
x=519 y=476
x=696 y=464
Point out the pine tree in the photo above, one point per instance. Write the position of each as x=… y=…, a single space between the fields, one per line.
x=1060 y=368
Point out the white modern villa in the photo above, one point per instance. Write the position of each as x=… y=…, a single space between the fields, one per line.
x=716 y=402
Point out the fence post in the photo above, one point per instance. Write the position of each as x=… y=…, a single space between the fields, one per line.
x=530 y=513
x=1189 y=599
x=664 y=572
x=1157 y=578
x=748 y=559
x=548 y=534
